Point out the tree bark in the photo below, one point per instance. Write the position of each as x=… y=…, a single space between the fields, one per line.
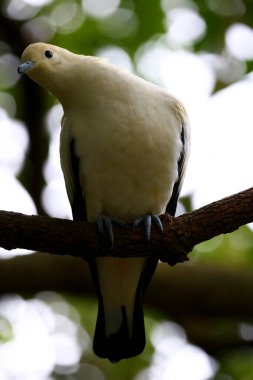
x=80 y=239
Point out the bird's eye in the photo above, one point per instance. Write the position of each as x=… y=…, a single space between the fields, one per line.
x=48 y=54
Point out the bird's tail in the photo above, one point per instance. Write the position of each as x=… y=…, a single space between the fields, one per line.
x=125 y=322
x=123 y=343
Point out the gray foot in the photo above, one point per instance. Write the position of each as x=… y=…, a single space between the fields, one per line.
x=105 y=222
x=147 y=220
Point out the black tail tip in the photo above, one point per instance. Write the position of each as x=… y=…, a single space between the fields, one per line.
x=121 y=344
x=115 y=349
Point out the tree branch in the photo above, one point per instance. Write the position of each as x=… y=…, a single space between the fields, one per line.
x=181 y=234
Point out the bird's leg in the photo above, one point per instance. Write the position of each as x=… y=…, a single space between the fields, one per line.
x=147 y=220
x=105 y=222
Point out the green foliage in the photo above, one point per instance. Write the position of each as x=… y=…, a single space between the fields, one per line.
x=238 y=365
x=6 y=331
x=228 y=250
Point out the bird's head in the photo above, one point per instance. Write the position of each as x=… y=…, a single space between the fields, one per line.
x=40 y=57
x=44 y=64
x=62 y=72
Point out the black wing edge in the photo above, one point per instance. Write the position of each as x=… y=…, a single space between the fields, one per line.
x=78 y=205
x=172 y=205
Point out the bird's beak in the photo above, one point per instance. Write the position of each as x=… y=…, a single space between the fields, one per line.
x=25 y=66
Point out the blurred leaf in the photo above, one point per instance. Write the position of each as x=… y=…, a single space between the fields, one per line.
x=6 y=332
x=237 y=364
x=229 y=250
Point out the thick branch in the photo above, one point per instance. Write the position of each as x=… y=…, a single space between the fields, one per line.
x=81 y=239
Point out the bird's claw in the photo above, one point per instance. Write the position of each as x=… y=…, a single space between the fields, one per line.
x=147 y=220
x=105 y=222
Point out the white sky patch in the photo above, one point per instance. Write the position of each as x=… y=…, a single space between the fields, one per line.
x=185 y=26
x=53 y=123
x=20 y=10
x=188 y=77
x=29 y=351
x=100 y=9
x=239 y=41
x=167 y=337
x=41 y=340
x=13 y=196
x=116 y=56
x=221 y=155
x=63 y=13
x=54 y=196
x=13 y=142
x=55 y=199
x=68 y=16
x=185 y=75
x=227 y=68
x=37 y=3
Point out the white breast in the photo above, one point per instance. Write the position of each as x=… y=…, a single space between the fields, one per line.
x=128 y=149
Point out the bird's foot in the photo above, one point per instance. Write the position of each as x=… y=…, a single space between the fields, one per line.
x=147 y=220
x=105 y=222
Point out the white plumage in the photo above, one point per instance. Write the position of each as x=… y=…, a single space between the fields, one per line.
x=124 y=146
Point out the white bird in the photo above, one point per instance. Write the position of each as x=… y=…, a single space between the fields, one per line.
x=124 y=147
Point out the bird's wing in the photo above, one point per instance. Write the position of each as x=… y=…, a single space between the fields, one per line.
x=151 y=263
x=172 y=204
x=70 y=168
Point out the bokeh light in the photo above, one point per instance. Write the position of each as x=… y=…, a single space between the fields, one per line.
x=116 y=56
x=121 y=24
x=185 y=27
x=67 y=16
x=13 y=147
x=20 y=10
x=227 y=8
x=39 y=29
x=38 y=3
x=41 y=337
x=181 y=72
x=13 y=142
x=54 y=196
x=100 y=9
x=219 y=147
x=239 y=40
x=8 y=63
x=175 y=358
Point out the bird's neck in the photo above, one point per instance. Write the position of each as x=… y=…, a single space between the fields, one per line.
x=90 y=84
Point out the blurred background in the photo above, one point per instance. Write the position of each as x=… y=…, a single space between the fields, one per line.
x=199 y=315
